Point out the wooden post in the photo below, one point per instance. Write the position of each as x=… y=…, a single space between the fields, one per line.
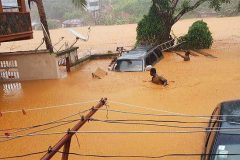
x=66 y=150
x=22 y=5
x=1 y=7
x=68 y=64
x=66 y=139
x=43 y=20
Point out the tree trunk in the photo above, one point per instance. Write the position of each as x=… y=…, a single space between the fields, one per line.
x=43 y=20
x=166 y=31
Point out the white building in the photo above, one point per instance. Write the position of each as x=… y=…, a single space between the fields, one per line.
x=93 y=5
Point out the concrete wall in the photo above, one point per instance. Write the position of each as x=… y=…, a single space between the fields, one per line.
x=32 y=66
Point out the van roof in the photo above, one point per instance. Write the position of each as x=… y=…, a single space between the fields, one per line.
x=138 y=53
x=231 y=110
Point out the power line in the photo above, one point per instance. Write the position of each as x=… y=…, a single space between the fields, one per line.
x=16 y=137
x=122 y=156
x=127 y=132
x=146 y=157
x=171 y=113
x=118 y=111
x=24 y=155
x=167 y=115
x=43 y=124
x=49 y=107
x=36 y=133
x=158 y=121
x=158 y=125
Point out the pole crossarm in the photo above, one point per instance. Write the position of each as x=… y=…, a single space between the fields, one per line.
x=65 y=141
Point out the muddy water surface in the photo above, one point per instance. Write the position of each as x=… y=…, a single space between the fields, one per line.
x=195 y=88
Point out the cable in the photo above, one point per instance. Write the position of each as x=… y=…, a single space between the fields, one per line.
x=13 y=138
x=9 y=138
x=24 y=155
x=158 y=125
x=159 y=121
x=49 y=107
x=126 y=132
x=172 y=113
x=164 y=115
x=146 y=157
x=44 y=124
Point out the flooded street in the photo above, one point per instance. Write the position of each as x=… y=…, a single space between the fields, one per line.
x=195 y=88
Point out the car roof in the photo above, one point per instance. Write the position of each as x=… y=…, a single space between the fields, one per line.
x=231 y=110
x=137 y=53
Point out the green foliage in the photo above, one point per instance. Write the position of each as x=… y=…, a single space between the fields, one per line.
x=80 y=3
x=149 y=27
x=198 y=37
x=185 y=4
x=124 y=11
x=216 y=4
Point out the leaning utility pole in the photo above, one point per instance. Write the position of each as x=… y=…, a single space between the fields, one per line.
x=66 y=140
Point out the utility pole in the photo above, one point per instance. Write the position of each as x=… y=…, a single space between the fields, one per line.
x=66 y=140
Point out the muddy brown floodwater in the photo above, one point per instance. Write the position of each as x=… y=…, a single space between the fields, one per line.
x=196 y=88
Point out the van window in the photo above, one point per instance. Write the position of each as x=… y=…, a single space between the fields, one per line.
x=158 y=52
x=148 y=61
x=153 y=58
x=129 y=65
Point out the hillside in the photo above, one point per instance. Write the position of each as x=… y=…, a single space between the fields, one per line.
x=120 y=11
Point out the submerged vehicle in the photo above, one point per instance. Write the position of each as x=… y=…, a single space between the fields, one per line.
x=138 y=60
x=223 y=138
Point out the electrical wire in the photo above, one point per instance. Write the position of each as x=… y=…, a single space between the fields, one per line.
x=160 y=121
x=169 y=112
x=158 y=125
x=49 y=107
x=56 y=126
x=24 y=155
x=127 y=132
x=145 y=157
x=165 y=115
x=43 y=124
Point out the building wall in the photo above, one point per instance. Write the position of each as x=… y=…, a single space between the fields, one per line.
x=93 y=5
x=35 y=66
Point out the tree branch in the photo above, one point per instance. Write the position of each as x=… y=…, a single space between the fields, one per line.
x=188 y=9
x=174 y=5
x=174 y=2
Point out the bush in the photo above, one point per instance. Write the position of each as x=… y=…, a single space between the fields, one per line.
x=198 y=37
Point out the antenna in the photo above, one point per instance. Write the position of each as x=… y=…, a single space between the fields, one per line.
x=79 y=35
x=60 y=40
x=77 y=38
x=40 y=45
